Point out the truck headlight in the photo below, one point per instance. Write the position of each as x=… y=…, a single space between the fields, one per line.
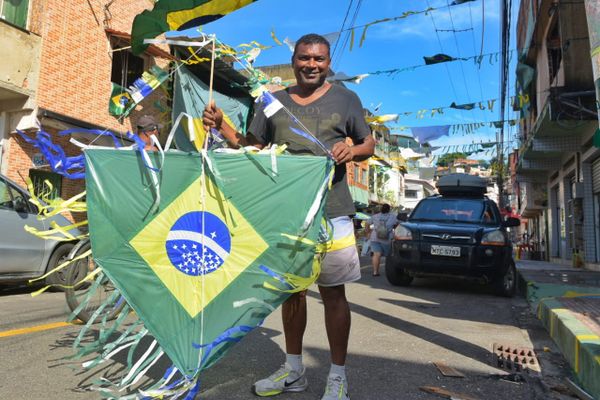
x=402 y=233
x=493 y=238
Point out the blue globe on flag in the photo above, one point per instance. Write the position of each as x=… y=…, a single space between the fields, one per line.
x=198 y=243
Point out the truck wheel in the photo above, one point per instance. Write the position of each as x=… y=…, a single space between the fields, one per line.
x=60 y=255
x=395 y=274
x=506 y=286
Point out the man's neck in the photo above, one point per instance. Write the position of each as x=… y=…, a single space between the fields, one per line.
x=304 y=92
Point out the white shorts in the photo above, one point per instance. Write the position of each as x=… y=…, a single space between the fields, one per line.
x=341 y=264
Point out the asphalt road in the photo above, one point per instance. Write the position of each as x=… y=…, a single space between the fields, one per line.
x=397 y=334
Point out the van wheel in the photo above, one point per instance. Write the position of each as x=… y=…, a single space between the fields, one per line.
x=60 y=255
x=395 y=274
x=506 y=286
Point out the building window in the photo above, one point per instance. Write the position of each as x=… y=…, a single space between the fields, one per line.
x=553 y=43
x=364 y=177
x=126 y=67
x=356 y=177
x=38 y=177
x=15 y=12
x=411 y=194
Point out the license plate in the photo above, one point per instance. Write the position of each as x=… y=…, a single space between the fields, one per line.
x=448 y=251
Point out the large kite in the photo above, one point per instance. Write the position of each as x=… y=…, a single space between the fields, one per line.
x=233 y=234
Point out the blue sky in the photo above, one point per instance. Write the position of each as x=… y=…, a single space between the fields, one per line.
x=393 y=45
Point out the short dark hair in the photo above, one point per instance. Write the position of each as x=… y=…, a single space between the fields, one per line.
x=385 y=208
x=312 y=38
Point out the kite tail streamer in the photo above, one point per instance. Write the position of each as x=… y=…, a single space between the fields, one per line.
x=293 y=283
x=54 y=270
x=60 y=233
x=314 y=208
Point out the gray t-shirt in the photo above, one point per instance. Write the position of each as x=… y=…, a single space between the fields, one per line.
x=332 y=118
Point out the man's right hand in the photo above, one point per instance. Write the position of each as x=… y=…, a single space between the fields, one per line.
x=212 y=116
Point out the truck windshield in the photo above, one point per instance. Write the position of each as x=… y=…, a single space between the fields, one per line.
x=451 y=210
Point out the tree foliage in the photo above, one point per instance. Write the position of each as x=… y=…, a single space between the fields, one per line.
x=446 y=159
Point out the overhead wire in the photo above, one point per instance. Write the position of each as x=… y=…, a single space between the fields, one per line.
x=342 y=28
x=442 y=49
x=347 y=35
x=474 y=51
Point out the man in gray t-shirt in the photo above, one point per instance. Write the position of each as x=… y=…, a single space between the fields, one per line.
x=332 y=118
x=332 y=113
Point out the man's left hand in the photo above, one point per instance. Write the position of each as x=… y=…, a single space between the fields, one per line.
x=342 y=153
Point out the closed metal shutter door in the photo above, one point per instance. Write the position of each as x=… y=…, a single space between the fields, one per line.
x=596 y=176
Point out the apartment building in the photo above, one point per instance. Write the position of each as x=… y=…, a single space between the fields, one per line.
x=59 y=58
x=556 y=172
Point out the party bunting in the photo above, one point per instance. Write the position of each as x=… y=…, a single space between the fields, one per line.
x=342 y=77
x=438 y=58
x=428 y=133
x=123 y=100
x=381 y=119
x=178 y=15
x=467 y=106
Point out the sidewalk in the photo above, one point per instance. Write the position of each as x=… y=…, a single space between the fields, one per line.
x=567 y=301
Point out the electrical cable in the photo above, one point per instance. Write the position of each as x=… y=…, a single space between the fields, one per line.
x=442 y=49
x=342 y=28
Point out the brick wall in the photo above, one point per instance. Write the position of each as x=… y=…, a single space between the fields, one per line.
x=76 y=61
x=75 y=74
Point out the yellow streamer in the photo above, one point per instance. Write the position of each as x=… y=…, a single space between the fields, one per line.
x=299 y=283
x=275 y=38
x=51 y=207
x=57 y=229
x=351 y=39
x=61 y=266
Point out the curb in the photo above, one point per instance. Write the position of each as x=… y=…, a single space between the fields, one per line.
x=578 y=343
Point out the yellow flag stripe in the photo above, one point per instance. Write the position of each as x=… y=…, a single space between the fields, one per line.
x=177 y=18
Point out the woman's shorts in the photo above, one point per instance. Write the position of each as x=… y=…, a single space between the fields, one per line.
x=381 y=248
x=340 y=265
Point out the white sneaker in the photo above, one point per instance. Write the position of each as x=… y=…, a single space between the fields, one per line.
x=337 y=388
x=285 y=379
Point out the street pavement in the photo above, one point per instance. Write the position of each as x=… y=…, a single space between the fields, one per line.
x=397 y=334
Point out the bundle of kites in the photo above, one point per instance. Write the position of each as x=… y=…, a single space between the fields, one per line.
x=190 y=238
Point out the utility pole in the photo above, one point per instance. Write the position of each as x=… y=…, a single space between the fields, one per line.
x=505 y=8
x=592 y=11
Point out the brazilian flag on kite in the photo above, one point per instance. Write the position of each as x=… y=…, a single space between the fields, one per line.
x=233 y=232
x=178 y=15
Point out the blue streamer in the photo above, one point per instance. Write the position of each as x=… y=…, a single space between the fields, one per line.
x=305 y=135
x=275 y=275
x=70 y=167
x=192 y=393
x=223 y=337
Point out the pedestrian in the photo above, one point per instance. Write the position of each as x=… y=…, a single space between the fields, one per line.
x=332 y=113
x=146 y=128
x=381 y=226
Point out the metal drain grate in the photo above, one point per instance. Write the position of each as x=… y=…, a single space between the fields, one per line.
x=514 y=358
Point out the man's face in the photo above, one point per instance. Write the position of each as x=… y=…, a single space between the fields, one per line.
x=311 y=65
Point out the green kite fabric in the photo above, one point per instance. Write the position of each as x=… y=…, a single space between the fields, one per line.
x=191 y=95
x=178 y=15
x=196 y=267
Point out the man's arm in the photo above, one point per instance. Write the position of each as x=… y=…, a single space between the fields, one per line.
x=213 y=118
x=343 y=153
